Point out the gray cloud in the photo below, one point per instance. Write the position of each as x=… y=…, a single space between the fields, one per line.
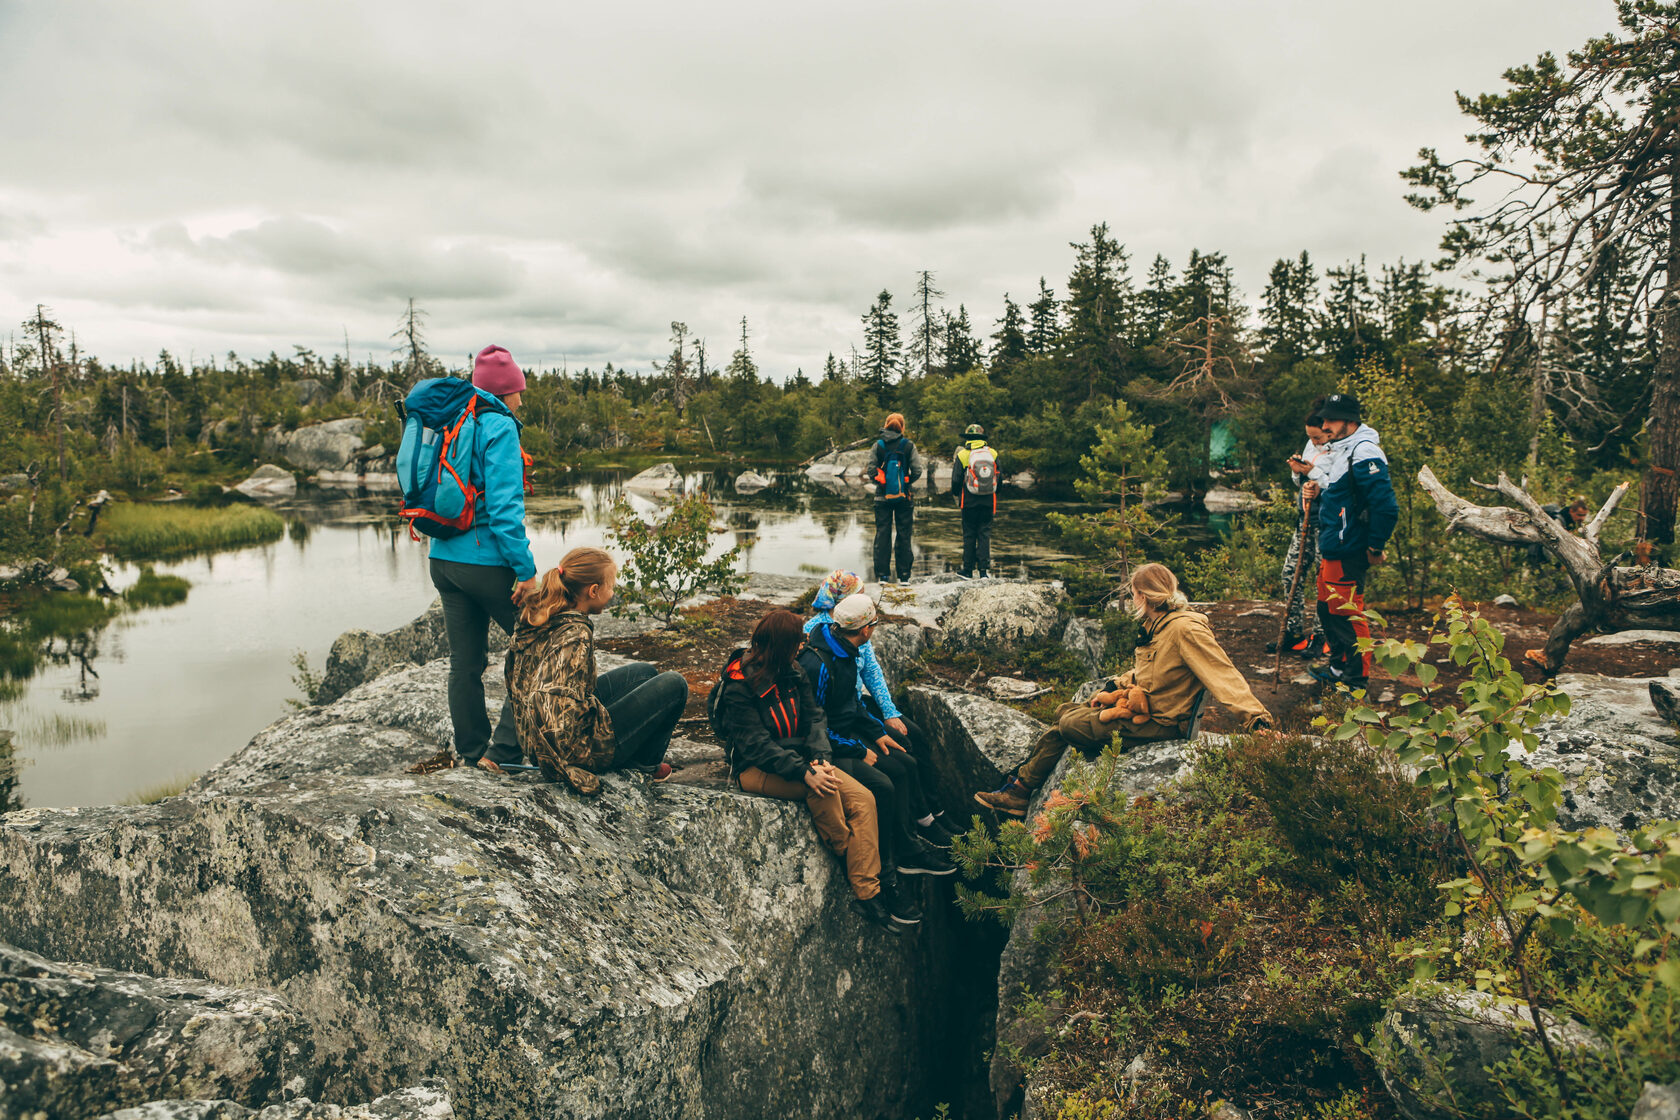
x=569 y=179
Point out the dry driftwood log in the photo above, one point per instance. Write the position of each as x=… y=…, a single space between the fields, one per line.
x=1611 y=597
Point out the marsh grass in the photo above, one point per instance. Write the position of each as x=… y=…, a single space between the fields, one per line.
x=153 y=590
x=60 y=730
x=172 y=787
x=144 y=531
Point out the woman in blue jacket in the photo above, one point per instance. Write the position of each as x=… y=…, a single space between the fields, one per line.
x=876 y=698
x=483 y=574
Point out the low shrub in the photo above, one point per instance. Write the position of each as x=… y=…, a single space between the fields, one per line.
x=153 y=590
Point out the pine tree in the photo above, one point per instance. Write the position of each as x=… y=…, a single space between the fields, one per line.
x=1289 y=307
x=1348 y=327
x=882 y=348
x=1045 y=314
x=1098 y=312
x=1157 y=313
x=833 y=370
x=961 y=351
x=676 y=366
x=45 y=344
x=925 y=325
x=1584 y=160
x=742 y=369
x=1009 y=341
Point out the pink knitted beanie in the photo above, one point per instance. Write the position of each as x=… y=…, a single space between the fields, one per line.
x=495 y=372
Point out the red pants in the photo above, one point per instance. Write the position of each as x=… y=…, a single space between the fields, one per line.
x=1341 y=602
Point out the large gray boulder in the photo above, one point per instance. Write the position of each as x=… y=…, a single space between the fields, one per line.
x=1223 y=499
x=1085 y=637
x=420 y=1102
x=78 y=1040
x=269 y=481
x=979 y=740
x=658 y=479
x=750 y=482
x=1620 y=759
x=331 y=445
x=1435 y=1044
x=358 y=656
x=1657 y=1102
x=660 y=950
x=1003 y=615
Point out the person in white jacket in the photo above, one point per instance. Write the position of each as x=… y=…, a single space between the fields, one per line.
x=1300 y=628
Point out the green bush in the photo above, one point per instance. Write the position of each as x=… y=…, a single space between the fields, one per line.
x=143 y=531
x=667 y=561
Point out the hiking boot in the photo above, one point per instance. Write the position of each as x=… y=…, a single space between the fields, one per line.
x=902 y=906
x=657 y=773
x=925 y=859
x=1011 y=800
x=874 y=911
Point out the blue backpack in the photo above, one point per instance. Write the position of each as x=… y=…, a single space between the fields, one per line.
x=436 y=464
x=889 y=476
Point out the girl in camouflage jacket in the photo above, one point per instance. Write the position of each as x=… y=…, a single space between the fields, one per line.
x=573 y=723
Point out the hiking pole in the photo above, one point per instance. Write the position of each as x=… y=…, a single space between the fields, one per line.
x=1294 y=585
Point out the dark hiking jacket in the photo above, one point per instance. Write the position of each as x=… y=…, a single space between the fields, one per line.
x=832 y=665
x=1357 y=509
x=780 y=728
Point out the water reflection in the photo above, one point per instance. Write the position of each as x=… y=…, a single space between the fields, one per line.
x=127 y=699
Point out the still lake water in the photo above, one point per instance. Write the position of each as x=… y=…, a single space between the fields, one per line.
x=178 y=689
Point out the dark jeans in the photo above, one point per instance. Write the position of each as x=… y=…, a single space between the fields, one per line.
x=914 y=741
x=977 y=535
x=894 y=782
x=888 y=514
x=474 y=596
x=645 y=705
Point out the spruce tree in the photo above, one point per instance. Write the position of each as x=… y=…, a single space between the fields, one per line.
x=883 y=350
x=1288 y=308
x=961 y=350
x=1009 y=341
x=1098 y=312
x=1045 y=314
x=925 y=325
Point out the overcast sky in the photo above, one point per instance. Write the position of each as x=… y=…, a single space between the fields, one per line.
x=566 y=179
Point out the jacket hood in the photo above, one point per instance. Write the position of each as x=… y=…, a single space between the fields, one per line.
x=525 y=636
x=890 y=437
x=836 y=645
x=1187 y=617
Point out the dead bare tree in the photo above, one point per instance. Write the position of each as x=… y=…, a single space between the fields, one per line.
x=1610 y=596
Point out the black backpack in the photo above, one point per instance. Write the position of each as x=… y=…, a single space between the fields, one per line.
x=714 y=698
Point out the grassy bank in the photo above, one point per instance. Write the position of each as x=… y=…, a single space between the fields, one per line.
x=136 y=531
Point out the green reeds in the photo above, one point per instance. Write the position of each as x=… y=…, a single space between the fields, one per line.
x=153 y=590
x=143 y=531
x=173 y=787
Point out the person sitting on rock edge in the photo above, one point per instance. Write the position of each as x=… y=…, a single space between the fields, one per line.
x=573 y=724
x=932 y=823
x=775 y=738
x=862 y=747
x=1177 y=659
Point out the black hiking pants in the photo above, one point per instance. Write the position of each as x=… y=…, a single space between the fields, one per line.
x=474 y=596
x=895 y=783
x=644 y=705
x=977 y=536
x=890 y=514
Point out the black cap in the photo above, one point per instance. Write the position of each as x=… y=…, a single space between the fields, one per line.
x=1340 y=406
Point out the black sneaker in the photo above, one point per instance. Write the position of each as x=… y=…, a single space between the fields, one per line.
x=902 y=905
x=951 y=829
x=933 y=834
x=874 y=911
x=925 y=859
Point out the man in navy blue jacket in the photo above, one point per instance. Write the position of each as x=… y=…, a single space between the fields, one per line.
x=1356 y=514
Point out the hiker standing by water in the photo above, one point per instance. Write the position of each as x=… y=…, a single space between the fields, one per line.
x=894 y=473
x=1300 y=625
x=974 y=482
x=1357 y=512
x=485 y=572
x=575 y=724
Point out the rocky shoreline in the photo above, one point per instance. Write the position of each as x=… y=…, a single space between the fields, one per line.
x=310 y=923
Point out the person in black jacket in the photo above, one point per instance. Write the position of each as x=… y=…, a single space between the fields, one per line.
x=894 y=471
x=862 y=745
x=776 y=740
